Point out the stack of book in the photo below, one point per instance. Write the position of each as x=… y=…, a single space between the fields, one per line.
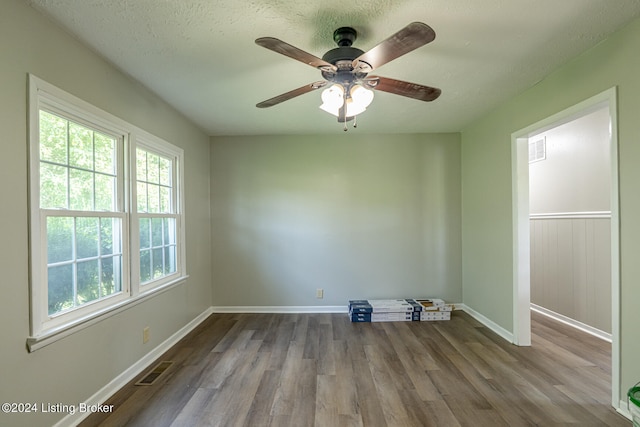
x=399 y=310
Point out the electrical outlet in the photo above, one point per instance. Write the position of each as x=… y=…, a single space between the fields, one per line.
x=319 y=293
x=145 y=335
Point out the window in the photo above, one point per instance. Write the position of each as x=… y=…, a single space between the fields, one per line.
x=156 y=216
x=81 y=211
x=106 y=214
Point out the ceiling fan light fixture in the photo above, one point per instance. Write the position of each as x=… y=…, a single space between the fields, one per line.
x=356 y=103
x=345 y=68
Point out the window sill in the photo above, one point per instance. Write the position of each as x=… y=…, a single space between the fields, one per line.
x=48 y=337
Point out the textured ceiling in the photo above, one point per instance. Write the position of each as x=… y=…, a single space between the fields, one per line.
x=200 y=55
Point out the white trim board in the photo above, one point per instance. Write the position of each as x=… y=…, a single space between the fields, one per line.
x=130 y=373
x=572 y=322
x=571 y=215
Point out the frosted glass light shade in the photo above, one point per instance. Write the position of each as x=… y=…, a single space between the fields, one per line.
x=361 y=99
x=357 y=102
x=332 y=99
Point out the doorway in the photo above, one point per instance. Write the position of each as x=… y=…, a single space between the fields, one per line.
x=521 y=224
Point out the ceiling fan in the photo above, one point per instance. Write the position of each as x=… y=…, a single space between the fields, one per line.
x=345 y=70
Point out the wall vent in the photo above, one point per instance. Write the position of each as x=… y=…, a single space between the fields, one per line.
x=537 y=149
x=155 y=373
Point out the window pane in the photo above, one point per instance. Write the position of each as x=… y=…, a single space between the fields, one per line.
x=87 y=237
x=158 y=264
x=156 y=232
x=105 y=192
x=145 y=266
x=88 y=281
x=154 y=175
x=110 y=242
x=59 y=239
x=165 y=200
x=53 y=138
x=153 y=198
x=105 y=154
x=110 y=280
x=60 y=283
x=81 y=189
x=145 y=241
x=165 y=171
x=142 y=197
x=169 y=231
x=80 y=146
x=53 y=186
x=117 y=274
x=141 y=165
x=169 y=259
x=153 y=168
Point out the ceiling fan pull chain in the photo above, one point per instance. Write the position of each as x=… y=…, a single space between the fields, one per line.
x=355 y=122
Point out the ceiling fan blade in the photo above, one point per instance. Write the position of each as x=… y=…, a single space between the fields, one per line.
x=286 y=49
x=292 y=94
x=399 y=87
x=404 y=41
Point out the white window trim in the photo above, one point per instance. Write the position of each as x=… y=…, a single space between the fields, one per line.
x=45 y=329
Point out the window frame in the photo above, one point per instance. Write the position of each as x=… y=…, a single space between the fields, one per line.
x=45 y=328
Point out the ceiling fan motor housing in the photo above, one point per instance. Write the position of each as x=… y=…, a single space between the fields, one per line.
x=343 y=53
x=342 y=57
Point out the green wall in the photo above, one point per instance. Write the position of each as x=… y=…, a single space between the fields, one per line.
x=72 y=369
x=486 y=183
x=360 y=216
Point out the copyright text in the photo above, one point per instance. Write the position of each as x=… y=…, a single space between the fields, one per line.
x=33 y=407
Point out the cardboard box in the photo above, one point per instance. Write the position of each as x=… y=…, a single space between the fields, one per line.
x=430 y=304
x=427 y=316
x=390 y=306
x=392 y=317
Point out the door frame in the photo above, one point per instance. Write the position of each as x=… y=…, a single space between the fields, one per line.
x=521 y=227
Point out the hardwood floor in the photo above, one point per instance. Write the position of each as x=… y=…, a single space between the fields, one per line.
x=323 y=370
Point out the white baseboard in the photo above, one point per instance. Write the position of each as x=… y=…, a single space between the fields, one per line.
x=282 y=309
x=488 y=323
x=572 y=322
x=121 y=380
x=623 y=409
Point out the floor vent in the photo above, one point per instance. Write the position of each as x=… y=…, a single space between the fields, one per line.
x=155 y=373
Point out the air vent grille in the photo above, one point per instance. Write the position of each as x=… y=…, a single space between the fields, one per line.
x=537 y=149
x=155 y=373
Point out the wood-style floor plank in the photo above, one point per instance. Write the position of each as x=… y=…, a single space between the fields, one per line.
x=322 y=370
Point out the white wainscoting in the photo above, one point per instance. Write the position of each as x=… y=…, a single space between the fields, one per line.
x=571 y=266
